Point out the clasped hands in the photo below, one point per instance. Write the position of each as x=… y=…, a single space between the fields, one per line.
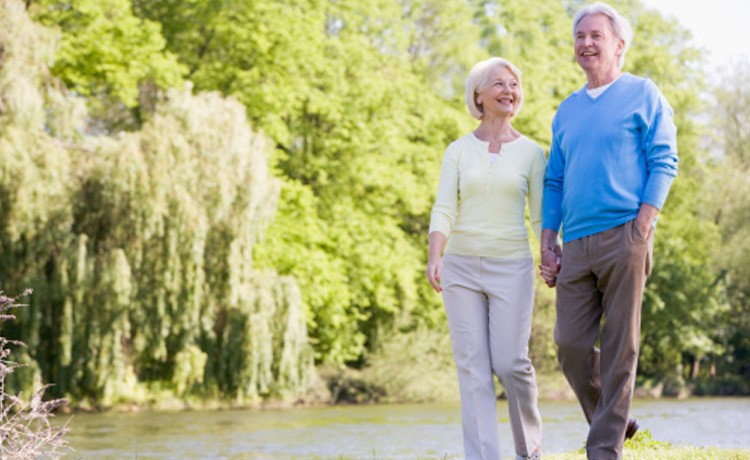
x=550 y=266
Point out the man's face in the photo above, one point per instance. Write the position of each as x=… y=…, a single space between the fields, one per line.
x=597 y=47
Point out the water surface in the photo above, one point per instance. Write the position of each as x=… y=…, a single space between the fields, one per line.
x=378 y=432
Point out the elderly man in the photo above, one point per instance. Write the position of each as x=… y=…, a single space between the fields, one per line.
x=612 y=162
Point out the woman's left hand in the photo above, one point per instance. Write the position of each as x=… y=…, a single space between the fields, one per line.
x=550 y=266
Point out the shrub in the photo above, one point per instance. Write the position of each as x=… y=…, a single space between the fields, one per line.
x=26 y=431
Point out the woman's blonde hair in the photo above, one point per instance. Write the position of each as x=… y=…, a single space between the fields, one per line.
x=478 y=79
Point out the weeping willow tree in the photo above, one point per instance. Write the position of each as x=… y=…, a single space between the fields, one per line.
x=139 y=245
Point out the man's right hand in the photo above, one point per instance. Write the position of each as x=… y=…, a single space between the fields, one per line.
x=551 y=257
x=550 y=266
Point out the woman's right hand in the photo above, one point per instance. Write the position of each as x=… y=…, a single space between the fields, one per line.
x=549 y=274
x=435 y=259
x=551 y=257
x=434 y=267
x=550 y=266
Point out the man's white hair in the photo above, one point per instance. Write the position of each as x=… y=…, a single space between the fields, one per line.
x=620 y=25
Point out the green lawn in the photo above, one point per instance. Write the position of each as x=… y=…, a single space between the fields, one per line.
x=644 y=447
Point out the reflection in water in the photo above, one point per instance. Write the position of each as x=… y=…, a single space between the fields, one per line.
x=376 y=432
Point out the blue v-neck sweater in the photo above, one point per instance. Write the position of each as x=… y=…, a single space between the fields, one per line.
x=609 y=155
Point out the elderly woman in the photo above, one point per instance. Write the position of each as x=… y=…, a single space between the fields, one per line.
x=486 y=276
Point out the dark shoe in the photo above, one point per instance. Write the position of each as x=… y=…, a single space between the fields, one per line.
x=631 y=429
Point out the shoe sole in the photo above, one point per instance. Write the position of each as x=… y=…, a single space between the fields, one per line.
x=632 y=429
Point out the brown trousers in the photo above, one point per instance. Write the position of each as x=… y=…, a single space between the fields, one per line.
x=603 y=275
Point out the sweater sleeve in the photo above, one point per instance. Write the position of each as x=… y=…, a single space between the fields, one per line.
x=553 y=185
x=446 y=204
x=659 y=142
x=536 y=190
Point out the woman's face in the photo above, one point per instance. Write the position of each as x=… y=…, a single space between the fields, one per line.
x=501 y=93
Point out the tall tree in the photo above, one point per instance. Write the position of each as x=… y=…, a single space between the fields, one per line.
x=682 y=302
x=725 y=202
x=359 y=136
x=110 y=56
x=359 y=100
x=139 y=246
x=537 y=36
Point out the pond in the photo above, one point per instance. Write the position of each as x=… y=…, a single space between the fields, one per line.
x=430 y=431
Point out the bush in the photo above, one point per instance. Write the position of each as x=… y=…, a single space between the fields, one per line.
x=25 y=428
x=729 y=385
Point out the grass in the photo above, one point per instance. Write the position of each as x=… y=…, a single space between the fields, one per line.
x=667 y=453
x=644 y=447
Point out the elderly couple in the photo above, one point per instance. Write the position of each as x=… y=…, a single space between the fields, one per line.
x=612 y=161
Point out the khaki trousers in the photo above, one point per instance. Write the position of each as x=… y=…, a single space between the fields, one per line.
x=489 y=303
x=603 y=275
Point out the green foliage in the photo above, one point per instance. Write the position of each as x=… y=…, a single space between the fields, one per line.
x=414 y=367
x=141 y=246
x=171 y=258
x=442 y=47
x=644 y=440
x=106 y=53
x=683 y=306
x=267 y=54
x=724 y=201
x=536 y=35
x=542 y=347
x=686 y=309
x=296 y=245
x=358 y=154
x=26 y=426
